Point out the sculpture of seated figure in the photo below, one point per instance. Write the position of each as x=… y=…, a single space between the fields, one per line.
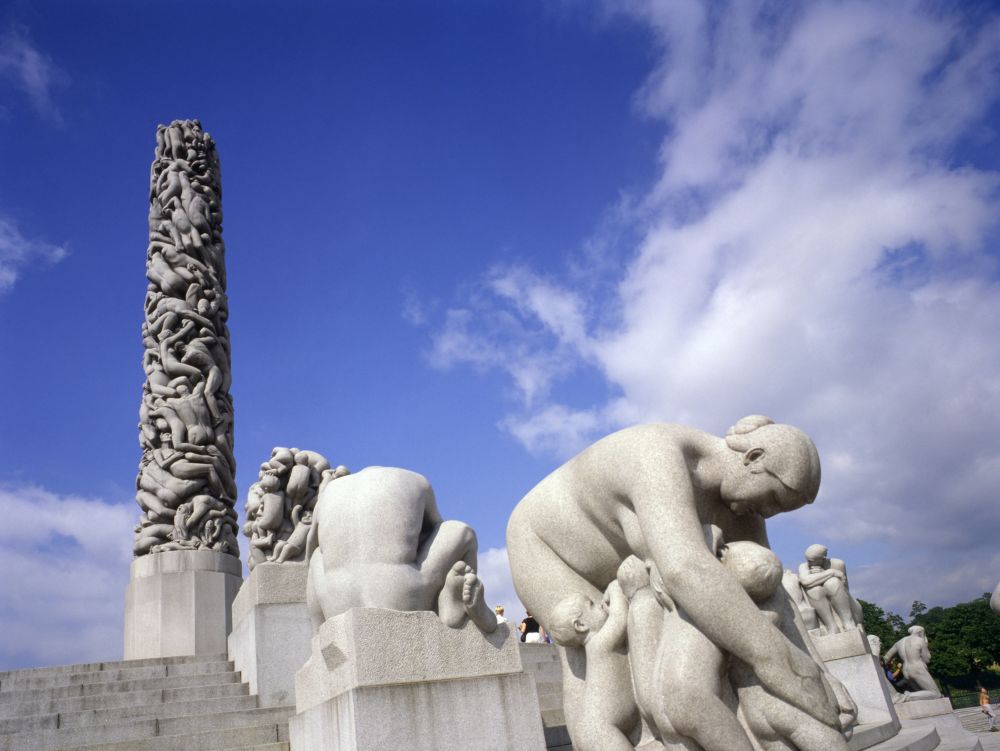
x=377 y=540
x=824 y=580
x=646 y=491
x=915 y=655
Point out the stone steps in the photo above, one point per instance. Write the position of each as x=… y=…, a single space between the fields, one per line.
x=111 y=675
x=147 y=728
x=91 y=667
x=42 y=705
x=973 y=719
x=113 y=687
x=165 y=704
x=112 y=715
x=257 y=738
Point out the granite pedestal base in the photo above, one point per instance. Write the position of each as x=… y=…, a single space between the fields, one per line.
x=178 y=603
x=383 y=679
x=848 y=657
x=271 y=633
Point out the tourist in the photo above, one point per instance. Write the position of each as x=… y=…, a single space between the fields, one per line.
x=987 y=709
x=531 y=631
x=500 y=616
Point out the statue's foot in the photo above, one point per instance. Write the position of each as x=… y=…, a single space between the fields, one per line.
x=474 y=600
x=451 y=608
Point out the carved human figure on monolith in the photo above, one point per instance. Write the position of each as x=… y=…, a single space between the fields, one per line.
x=186 y=413
x=914 y=653
x=647 y=491
x=824 y=580
x=377 y=540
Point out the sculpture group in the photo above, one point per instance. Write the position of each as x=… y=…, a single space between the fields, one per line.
x=186 y=482
x=279 y=507
x=646 y=557
x=656 y=534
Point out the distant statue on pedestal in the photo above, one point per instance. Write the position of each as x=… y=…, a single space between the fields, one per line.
x=913 y=651
x=824 y=581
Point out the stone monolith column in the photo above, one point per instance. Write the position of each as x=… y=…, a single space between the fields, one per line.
x=186 y=570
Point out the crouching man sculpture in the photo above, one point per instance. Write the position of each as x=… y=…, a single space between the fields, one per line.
x=648 y=491
x=400 y=619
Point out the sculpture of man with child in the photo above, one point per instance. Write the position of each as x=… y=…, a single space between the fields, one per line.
x=646 y=558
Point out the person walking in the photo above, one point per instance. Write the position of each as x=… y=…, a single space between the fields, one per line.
x=987 y=709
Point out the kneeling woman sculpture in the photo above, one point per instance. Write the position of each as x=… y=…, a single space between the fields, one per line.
x=648 y=491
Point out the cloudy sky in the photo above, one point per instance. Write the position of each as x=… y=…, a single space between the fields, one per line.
x=470 y=238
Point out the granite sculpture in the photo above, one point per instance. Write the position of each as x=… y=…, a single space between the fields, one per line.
x=790 y=581
x=824 y=582
x=646 y=492
x=400 y=619
x=279 y=506
x=377 y=540
x=995 y=599
x=914 y=653
x=186 y=481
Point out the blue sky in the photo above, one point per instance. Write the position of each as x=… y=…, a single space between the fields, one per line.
x=470 y=238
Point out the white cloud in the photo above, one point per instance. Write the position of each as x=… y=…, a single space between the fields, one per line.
x=31 y=71
x=67 y=560
x=17 y=251
x=813 y=249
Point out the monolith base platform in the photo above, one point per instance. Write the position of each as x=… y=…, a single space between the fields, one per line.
x=178 y=603
x=271 y=633
x=383 y=679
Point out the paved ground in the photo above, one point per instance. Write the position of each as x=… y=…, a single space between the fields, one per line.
x=989 y=740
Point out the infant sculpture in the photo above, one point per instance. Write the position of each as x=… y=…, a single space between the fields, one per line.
x=656 y=534
x=377 y=540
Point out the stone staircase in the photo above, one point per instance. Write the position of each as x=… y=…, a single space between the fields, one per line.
x=541 y=662
x=164 y=704
x=973 y=719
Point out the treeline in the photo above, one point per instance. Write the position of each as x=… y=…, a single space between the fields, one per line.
x=964 y=640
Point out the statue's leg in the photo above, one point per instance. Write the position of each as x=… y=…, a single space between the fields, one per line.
x=920 y=678
x=841 y=600
x=811 y=735
x=817 y=597
x=445 y=557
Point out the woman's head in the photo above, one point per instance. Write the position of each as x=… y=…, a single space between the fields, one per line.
x=777 y=470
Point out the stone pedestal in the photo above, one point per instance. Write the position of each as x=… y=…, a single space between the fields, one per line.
x=921 y=708
x=848 y=657
x=178 y=603
x=271 y=633
x=383 y=679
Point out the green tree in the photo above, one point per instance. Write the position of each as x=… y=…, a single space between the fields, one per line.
x=964 y=639
x=917 y=609
x=887 y=626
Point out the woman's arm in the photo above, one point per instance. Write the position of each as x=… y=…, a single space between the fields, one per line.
x=664 y=500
